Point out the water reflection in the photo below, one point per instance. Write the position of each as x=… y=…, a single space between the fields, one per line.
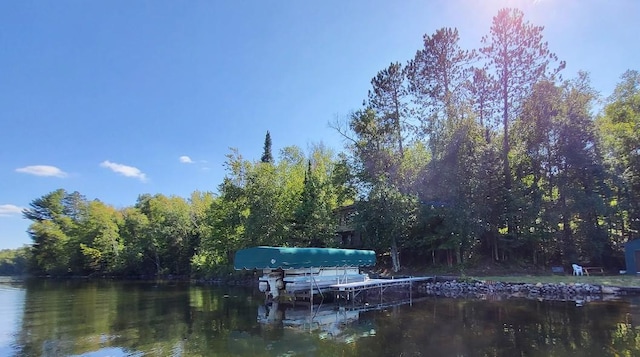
x=11 y=309
x=82 y=318
x=505 y=328
x=328 y=320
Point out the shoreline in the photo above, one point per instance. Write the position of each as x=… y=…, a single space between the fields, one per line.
x=453 y=287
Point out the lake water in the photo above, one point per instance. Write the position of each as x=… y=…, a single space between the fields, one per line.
x=106 y=318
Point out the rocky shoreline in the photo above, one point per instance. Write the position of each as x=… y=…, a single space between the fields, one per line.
x=577 y=292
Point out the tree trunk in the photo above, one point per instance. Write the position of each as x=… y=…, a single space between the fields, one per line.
x=395 y=255
x=157 y=261
x=505 y=155
x=568 y=251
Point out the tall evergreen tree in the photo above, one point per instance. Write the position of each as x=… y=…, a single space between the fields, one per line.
x=387 y=99
x=54 y=231
x=437 y=75
x=514 y=50
x=374 y=147
x=267 y=157
x=482 y=96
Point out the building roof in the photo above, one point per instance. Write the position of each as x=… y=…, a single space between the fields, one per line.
x=297 y=258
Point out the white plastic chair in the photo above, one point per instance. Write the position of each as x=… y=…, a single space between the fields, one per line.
x=577 y=269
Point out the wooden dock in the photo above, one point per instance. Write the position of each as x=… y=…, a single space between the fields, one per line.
x=350 y=291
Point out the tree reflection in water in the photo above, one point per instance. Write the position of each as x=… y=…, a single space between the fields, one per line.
x=87 y=318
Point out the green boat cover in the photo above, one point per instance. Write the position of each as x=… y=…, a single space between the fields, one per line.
x=297 y=258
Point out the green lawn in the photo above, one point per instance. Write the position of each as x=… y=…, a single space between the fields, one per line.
x=612 y=280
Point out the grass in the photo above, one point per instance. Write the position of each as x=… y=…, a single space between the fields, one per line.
x=517 y=274
x=611 y=280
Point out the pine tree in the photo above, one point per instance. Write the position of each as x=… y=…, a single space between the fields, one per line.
x=518 y=58
x=266 y=155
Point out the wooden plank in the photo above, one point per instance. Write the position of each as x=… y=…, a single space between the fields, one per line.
x=593 y=270
x=376 y=283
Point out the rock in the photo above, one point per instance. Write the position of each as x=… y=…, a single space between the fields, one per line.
x=499 y=290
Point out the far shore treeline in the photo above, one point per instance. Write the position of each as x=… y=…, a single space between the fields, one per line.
x=457 y=156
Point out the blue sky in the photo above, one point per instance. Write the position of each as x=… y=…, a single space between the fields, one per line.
x=118 y=98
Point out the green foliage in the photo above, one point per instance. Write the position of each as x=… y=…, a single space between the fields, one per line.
x=387 y=99
x=101 y=244
x=386 y=219
x=267 y=157
x=288 y=202
x=170 y=230
x=133 y=232
x=55 y=220
x=559 y=174
x=436 y=80
x=446 y=163
x=518 y=57
x=14 y=261
x=619 y=133
x=314 y=221
x=342 y=180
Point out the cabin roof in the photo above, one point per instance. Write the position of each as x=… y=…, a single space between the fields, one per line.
x=297 y=258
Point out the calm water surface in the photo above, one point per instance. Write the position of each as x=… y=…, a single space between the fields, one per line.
x=104 y=318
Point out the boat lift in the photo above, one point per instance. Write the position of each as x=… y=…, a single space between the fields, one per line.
x=302 y=273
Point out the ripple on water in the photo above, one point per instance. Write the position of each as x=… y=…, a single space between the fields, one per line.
x=112 y=352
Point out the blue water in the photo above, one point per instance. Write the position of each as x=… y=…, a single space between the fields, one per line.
x=11 y=309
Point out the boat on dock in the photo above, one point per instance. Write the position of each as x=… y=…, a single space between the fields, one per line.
x=304 y=272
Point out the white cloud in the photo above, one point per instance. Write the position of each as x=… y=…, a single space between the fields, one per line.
x=128 y=171
x=186 y=160
x=42 y=170
x=9 y=210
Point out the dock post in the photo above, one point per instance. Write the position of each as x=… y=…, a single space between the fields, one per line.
x=410 y=290
x=311 y=290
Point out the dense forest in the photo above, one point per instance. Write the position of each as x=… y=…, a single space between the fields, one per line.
x=457 y=156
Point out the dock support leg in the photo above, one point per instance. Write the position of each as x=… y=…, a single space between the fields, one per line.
x=410 y=296
x=311 y=291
